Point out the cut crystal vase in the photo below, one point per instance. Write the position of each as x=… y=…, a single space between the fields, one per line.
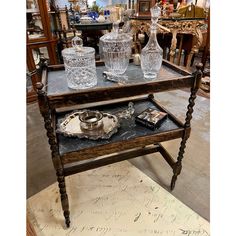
x=152 y=53
x=115 y=50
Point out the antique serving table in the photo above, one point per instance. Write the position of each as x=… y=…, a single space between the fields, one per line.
x=93 y=26
x=71 y=155
x=174 y=26
x=94 y=31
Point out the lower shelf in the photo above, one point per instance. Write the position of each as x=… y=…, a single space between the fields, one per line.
x=130 y=135
x=92 y=164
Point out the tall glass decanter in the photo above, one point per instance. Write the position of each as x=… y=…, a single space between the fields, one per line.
x=151 y=54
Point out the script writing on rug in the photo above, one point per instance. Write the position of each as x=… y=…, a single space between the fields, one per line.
x=114 y=200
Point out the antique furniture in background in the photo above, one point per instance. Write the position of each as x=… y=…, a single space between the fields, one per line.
x=41 y=43
x=56 y=100
x=32 y=77
x=177 y=27
x=66 y=29
x=206 y=50
x=92 y=32
x=192 y=11
x=63 y=29
x=38 y=29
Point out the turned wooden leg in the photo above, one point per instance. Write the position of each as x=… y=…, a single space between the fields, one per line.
x=58 y=166
x=64 y=197
x=190 y=56
x=178 y=165
x=180 y=50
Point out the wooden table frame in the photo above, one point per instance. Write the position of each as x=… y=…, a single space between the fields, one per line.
x=131 y=148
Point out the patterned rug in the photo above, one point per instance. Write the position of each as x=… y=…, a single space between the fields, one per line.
x=115 y=200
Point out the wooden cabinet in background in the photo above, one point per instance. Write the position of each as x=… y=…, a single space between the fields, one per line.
x=41 y=42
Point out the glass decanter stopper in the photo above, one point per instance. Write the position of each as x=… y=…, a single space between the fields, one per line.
x=77 y=44
x=151 y=54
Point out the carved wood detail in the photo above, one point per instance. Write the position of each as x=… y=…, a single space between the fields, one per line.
x=173 y=45
x=175 y=27
x=45 y=111
x=178 y=165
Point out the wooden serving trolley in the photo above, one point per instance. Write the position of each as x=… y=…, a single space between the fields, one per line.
x=71 y=155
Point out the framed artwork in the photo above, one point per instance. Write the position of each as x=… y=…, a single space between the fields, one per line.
x=143 y=7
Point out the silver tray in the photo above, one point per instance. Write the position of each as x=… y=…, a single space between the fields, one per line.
x=71 y=126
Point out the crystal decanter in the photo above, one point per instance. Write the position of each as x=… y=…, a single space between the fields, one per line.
x=151 y=54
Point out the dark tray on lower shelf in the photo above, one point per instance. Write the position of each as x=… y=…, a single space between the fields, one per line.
x=129 y=135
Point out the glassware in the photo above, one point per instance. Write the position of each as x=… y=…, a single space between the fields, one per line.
x=86 y=20
x=122 y=79
x=89 y=124
x=90 y=120
x=151 y=54
x=80 y=66
x=116 y=50
x=127 y=113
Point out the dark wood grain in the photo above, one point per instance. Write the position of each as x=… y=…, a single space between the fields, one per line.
x=169 y=159
x=60 y=96
x=175 y=67
x=109 y=160
x=120 y=146
x=105 y=94
x=48 y=123
x=178 y=165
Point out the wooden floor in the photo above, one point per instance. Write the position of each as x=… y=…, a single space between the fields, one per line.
x=193 y=185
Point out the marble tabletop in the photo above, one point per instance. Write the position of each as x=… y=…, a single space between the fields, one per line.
x=57 y=82
x=128 y=128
